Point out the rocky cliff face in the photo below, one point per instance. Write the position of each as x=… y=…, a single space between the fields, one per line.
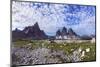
x=30 y=32
x=71 y=32
x=35 y=32
x=18 y=34
x=66 y=33
x=58 y=33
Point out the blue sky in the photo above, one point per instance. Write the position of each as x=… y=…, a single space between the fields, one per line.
x=51 y=17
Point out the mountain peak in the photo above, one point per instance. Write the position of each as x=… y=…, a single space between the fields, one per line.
x=36 y=24
x=58 y=33
x=30 y=32
x=64 y=34
x=64 y=31
x=71 y=32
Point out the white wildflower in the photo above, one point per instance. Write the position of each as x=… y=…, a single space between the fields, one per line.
x=80 y=50
x=88 y=49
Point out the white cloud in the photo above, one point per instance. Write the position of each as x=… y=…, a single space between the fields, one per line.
x=50 y=19
x=86 y=27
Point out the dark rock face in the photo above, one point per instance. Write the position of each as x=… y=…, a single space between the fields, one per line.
x=18 y=34
x=58 y=33
x=71 y=32
x=34 y=32
x=64 y=31
x=30 y=32
x=66 y=34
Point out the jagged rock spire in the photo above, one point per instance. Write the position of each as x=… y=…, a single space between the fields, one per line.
x=64 y=34
x=64 y=31
x=31 y=32
x=71 y=32
x=58 y=33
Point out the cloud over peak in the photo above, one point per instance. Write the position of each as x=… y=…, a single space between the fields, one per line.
x=52 y=17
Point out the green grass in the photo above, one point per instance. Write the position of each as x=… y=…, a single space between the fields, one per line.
x=68 y=48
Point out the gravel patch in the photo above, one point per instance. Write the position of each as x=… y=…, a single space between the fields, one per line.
x=25 y=56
